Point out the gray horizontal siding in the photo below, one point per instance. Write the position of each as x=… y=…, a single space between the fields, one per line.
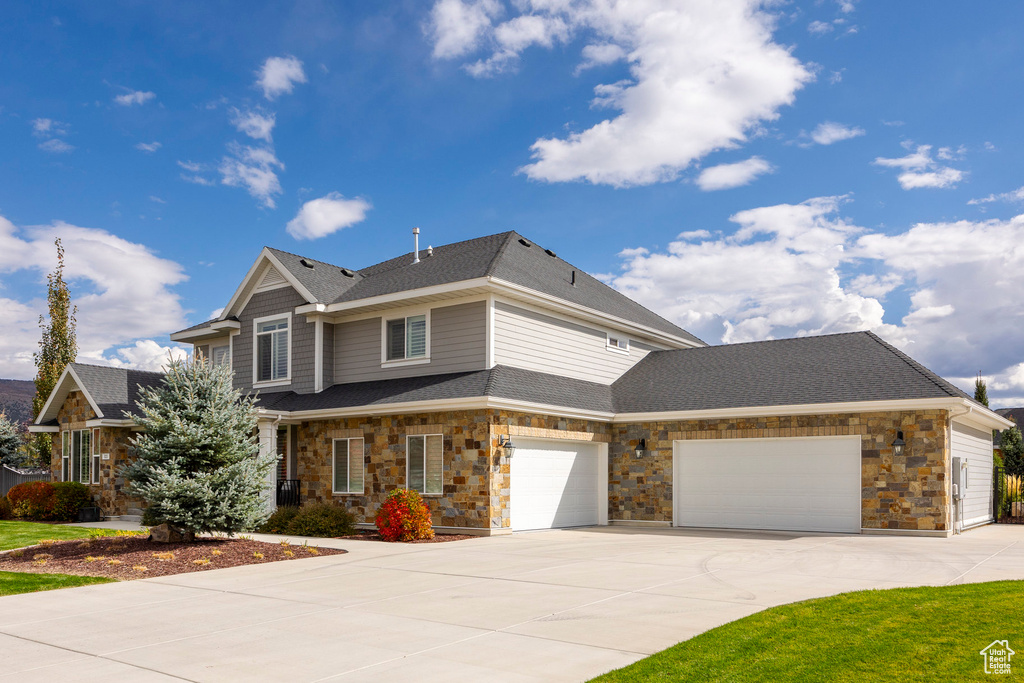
x=283 y=300
x=458 y=340
x=533 y=341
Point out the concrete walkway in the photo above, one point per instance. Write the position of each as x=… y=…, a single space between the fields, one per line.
x=556 y=605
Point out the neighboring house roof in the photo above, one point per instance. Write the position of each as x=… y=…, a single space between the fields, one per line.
x=507 y=256
x=1015 y=414
x=504 y=382
x=838 y=368
x=110 y=391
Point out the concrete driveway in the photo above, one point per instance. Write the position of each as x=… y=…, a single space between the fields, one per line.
x=556 y=605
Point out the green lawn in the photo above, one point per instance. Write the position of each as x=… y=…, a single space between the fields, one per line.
x=904 y=634
x=12 y=583
x=21 y=534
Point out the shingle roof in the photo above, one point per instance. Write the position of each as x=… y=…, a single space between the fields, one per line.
x=505 y=256
x=837 y=368
x=115 y=390
x=324 y=281
x=498 y=382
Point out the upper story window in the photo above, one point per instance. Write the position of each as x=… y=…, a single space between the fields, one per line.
x=273 y=349
x=407 y=338
x=618 y=343
x=220 y=355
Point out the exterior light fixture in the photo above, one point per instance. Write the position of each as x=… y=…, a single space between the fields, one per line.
x=898 y=444
x=641 y=449
x=506 y=443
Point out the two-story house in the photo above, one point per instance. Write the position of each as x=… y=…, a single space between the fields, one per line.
x=516 y=392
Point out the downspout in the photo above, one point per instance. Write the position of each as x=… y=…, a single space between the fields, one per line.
x=957 y=512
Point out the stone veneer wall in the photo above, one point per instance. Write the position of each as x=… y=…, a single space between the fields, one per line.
x=907 y=493
x=109 y=493
x=475 y=471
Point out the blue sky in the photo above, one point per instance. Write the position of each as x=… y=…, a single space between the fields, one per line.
x=749 y=170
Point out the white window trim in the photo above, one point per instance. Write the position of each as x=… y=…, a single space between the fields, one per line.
x=612 y=347
x=362 y=465
x=66 y=473
x=395 y=315
x=255 y=362
x=94 y=456
x=408 y=462
x=65 y=454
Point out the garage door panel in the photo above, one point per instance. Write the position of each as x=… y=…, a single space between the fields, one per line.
x=554 y=484
x=785 y=484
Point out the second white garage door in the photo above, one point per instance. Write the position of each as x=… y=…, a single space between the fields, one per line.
x=556 y=484
x=800 y=484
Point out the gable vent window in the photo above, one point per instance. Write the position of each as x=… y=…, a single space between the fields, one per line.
x=407 y=338
x=272 y=350
x=616 y=343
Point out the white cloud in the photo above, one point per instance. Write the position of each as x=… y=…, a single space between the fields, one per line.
x=256 y=124
x=147 y=354
x=278 y=76
x=194 y=174
x=727 y=176
x=456 y=27
x=794 y=270
x=254 y=169
x=819 y=27
x=600 y=54
x=829 y=132
x=1014 y=196
x=921 y=170
x=48 y=127
x=124 y=292
x=321 y=217
x=134 y=97
x=148 y=147
x=158 y=200
x=703 y=77
x=56 y=146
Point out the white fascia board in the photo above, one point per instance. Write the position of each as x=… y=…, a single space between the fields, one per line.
x=109 y=422
x=59 y=389
x=395 y=297
x=226 y=325
x=265 y=255
x=796 y=409
x=436 y=406
x=44 y=429
x=192 y=335
x=977 y=415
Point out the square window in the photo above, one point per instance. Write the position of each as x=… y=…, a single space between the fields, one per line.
x=220 y=355
x=407 y=338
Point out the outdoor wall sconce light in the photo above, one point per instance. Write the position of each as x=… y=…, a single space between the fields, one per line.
x=641 y=449
x=506 y=443
x=898 y=444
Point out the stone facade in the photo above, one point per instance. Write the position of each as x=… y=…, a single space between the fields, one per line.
x=907 y=493
x=109 y=493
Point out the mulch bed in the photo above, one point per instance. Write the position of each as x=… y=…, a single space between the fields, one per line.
x=120 y=557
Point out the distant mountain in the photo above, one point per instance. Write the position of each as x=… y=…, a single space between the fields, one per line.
x=1015 y=414
x=16 y=399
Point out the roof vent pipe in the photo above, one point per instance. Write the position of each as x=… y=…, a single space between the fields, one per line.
x=416 y=242
x=573 y=278
x=430 y=250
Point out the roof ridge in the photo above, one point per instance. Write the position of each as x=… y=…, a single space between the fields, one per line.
x=114 y=367
x=766 y=341
x=310 y=258
x=509 y=236
x=920 y=369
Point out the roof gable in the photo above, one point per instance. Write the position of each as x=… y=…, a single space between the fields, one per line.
x=109 y=391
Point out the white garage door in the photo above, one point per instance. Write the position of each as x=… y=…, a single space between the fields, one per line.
x=801 y=484
x=975 y=446
x=555 y=484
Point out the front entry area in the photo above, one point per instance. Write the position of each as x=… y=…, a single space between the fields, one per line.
x=558 y=484
x=785 y=484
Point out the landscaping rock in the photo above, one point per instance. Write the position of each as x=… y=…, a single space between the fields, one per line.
x=165 y=533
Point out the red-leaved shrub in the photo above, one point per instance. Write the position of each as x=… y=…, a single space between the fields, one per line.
x=5 y=508
x=32 y=500
x=68 y=498
x=404 y=517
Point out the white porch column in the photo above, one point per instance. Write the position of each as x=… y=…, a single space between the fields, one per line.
x=268 y=444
